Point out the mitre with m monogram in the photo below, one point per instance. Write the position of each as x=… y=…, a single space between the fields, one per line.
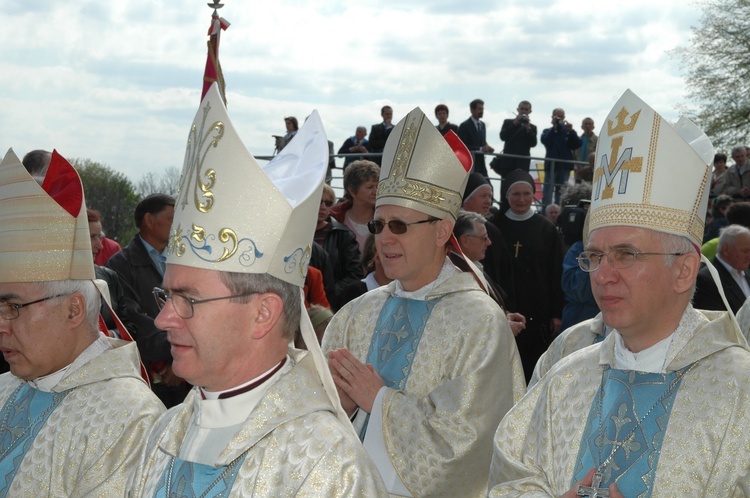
x=650 y=174
x=234 y=215
x=422 y=170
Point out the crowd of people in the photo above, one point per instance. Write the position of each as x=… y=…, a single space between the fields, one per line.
x=566 y=150
x=260 y=337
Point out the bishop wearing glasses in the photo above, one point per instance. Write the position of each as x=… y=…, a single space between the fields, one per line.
x=263 y=418
x=74 y=408
x=660 y=406
x=426 y=366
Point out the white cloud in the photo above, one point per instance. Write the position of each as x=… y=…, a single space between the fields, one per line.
x=119 y=82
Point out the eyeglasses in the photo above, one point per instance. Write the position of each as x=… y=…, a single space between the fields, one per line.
x=183 y=305
x=9 y=311
x=620 y=259
x=483 y=237
x=327 y=203
x=397 y=227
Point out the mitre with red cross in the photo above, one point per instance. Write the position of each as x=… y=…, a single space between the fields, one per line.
x=649 y=173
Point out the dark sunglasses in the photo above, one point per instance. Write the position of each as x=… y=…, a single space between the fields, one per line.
x=327 y=203
x=397 y=227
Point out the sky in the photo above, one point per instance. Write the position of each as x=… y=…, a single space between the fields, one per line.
x=119 y=82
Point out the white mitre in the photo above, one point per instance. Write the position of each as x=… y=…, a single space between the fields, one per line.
x=649 y=173
x=653 y=175
x=44 y=231
x=231 y=214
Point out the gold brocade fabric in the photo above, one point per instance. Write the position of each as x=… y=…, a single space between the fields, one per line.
x=91 y=442
x=465 y=375
x=706 y=448
x=297 y=446
x=577 y=337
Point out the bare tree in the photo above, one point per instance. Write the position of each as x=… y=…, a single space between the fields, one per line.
x=167 y=181
x=717 y=60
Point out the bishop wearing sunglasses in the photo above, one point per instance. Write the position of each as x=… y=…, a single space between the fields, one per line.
x=427 y=365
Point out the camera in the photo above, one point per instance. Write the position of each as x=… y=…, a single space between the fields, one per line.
x=524 y=118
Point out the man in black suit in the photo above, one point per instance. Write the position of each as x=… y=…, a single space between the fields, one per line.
x=140 y=266
x=379 y=133
x=732 y=261
x=519 y=136
x=473 y=133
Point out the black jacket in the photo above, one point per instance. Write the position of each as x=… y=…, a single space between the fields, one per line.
x=116 y=298
x=343 y=251
x=138 y=277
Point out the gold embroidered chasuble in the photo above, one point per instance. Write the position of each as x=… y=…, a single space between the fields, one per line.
x=465 y=375
x=294 y=444
x=706 y=446
x=90 y=443
x=577 y=337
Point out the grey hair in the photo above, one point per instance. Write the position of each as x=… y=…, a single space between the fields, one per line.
x=260 y=283
x=677 y=244
x=466 y=223
x=738 y=148
x=573 y=194
x=87 y=288
x=674 y=244
x=729 y=234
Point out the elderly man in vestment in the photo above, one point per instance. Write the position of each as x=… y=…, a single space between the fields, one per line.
x=660 y=407
x=427 y=365
x=75 y=409
x=263 y=418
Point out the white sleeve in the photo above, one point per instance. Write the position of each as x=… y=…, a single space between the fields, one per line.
x=375 y=447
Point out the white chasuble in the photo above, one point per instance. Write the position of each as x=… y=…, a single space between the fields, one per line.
x=81 y=430
x=436 y=421
x=697 y=444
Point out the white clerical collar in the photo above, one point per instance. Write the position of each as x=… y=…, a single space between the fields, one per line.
x=446 y=272
x=212 y=412
x=652 y=360
x=519 y=217
x=47 y=383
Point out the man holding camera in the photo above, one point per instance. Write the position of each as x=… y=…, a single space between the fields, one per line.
x=560 y=141
x=519 y=136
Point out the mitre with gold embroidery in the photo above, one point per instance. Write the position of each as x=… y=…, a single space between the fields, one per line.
x=422 y=170
x=44 y=231
x=234 y=215
x=649 y=173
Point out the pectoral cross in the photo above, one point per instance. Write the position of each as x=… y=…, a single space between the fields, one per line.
x=517 y=245
x=593 y=491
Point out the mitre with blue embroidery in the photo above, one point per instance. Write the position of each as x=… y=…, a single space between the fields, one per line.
x=44 y=231
x=650 y=174
x=422 y=170
x=234 y=215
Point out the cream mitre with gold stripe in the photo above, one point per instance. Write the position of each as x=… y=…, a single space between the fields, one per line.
x=650 y=174
x=232 y=215
x=44 y=231
x=422 y=170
